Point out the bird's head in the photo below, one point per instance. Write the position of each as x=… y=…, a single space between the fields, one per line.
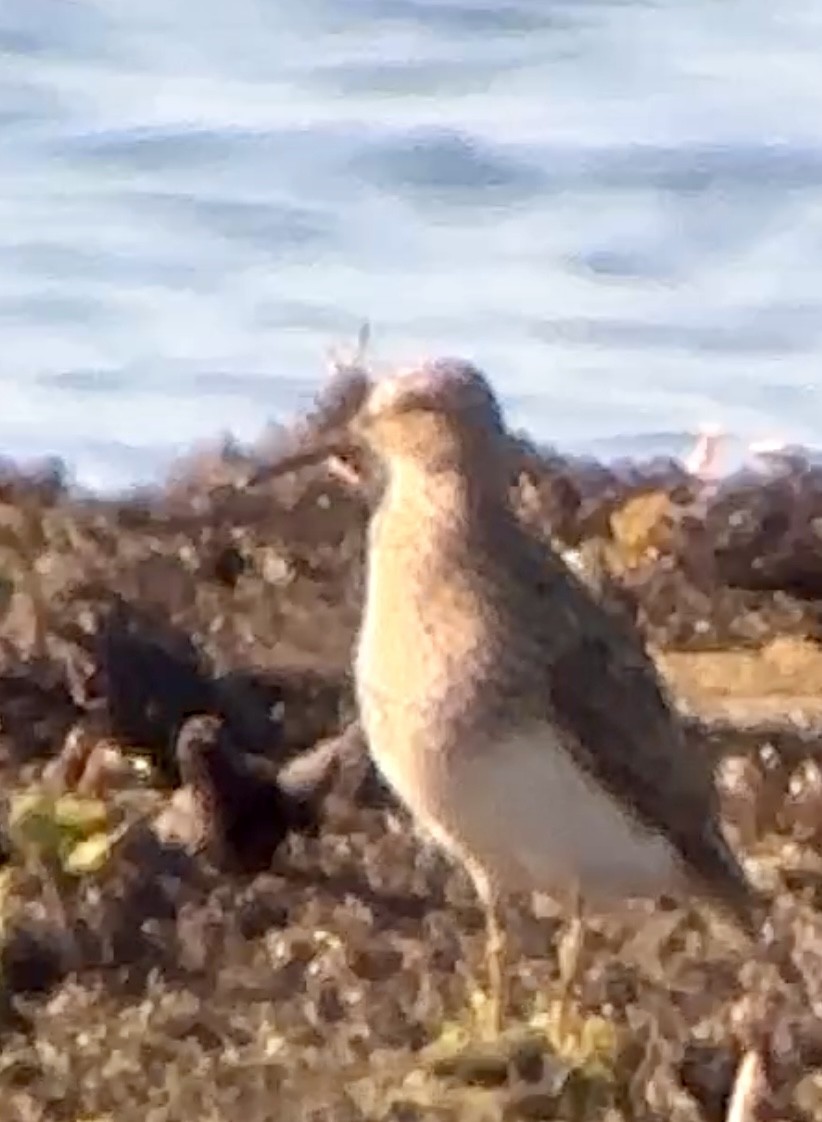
x=439 y=415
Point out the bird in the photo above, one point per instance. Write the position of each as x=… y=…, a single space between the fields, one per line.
x=523 y=724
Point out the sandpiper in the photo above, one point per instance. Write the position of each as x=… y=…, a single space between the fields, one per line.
x=524 y=725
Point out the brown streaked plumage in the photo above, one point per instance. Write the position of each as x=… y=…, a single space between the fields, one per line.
x=523 y=724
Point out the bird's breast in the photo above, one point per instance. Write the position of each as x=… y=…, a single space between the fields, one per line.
x=420 y=662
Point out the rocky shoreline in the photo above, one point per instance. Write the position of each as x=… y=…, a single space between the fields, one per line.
x=211 y=907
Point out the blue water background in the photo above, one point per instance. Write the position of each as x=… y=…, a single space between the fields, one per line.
x=614 y=207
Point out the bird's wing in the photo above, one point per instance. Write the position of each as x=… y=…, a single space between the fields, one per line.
x=603 y=691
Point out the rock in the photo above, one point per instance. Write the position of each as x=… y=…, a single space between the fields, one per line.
x=238 y=810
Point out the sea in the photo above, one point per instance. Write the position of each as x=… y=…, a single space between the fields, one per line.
x=614 y=207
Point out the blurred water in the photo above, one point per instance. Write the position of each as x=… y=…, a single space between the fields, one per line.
x=614 y=207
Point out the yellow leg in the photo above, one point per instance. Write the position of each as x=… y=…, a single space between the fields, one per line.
x=496 y=997
x=495 y=954
x=569 y=952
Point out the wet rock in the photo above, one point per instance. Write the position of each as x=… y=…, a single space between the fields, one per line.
x=154 y=680
x=240 y=811
x=802 y=812
x=749 y=802
x=707 y=1072
x=33 y=958
x=730 y=561
x=279 y=714
x=181 y=821
x=36 y=711
x=228 y=565
x=159 y=935
x=88 y=762
x=340 y=766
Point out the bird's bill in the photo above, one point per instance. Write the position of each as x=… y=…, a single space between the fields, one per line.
x=314 y=450
x=345 y=437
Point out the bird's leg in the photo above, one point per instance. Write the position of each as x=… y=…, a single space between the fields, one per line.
x=496 y=996
x=569 y=951
x=495 y=954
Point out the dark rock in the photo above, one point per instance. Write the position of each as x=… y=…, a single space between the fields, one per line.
x=228 y=566
x=33 y=958
x=36 y=710
x=154 y=680
x=707 y=1072
x=360 y=917
x=243 y=813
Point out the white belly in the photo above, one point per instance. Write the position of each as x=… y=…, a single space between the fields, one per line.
x=533 y=821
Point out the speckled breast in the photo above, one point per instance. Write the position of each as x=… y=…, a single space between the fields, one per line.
x=419 y=669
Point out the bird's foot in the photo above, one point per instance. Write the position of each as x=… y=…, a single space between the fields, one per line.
x=486 y=1013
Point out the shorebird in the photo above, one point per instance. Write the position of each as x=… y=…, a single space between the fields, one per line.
x=524 y=725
